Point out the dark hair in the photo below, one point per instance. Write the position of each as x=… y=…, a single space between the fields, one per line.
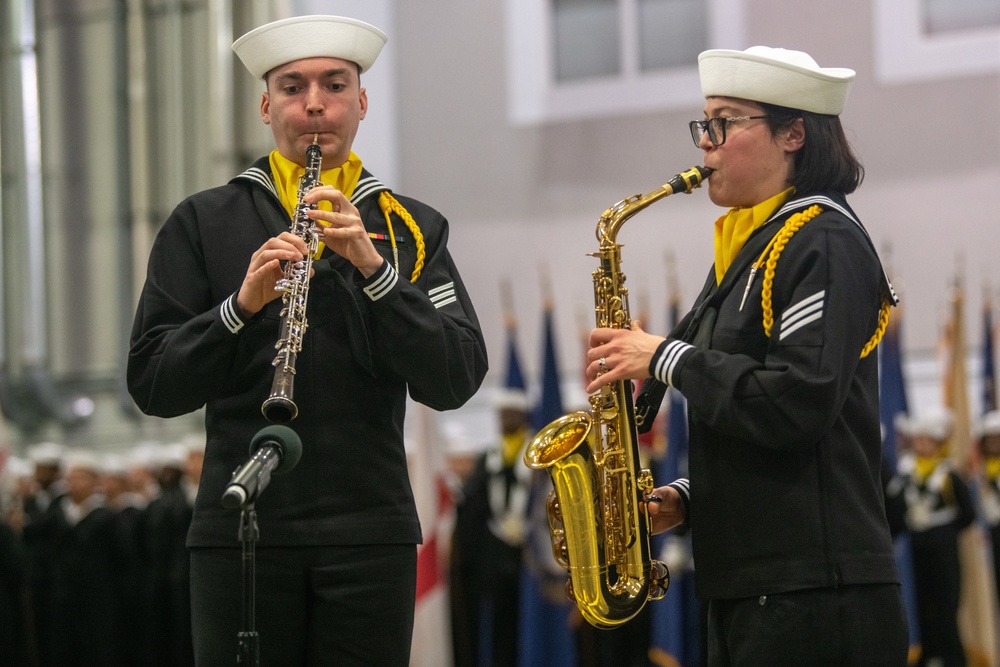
x=826 y=161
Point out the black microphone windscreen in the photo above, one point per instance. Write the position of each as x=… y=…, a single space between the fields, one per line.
x=285 y=440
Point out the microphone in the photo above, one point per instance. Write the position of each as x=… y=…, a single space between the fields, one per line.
x=274 y=449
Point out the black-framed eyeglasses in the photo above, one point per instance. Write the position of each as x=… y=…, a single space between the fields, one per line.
x=715 y=128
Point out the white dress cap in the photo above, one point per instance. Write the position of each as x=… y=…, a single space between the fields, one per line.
x=83 y=459
x=775 y=76
x=989 y=424
x=936 y=423
x=275 y=44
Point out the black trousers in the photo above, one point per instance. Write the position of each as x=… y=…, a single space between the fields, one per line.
x=863 y=626
x=315 y=606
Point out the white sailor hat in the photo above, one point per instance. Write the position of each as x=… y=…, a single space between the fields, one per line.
x=114 y=465
x=775 y=76
x=83 y=459
x=511 y=398
x=989 y=424
x=46 y=453
x=274 y=44
x=173 y=455
x=934 y=423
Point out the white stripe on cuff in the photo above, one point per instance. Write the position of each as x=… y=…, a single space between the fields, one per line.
x=229 y=316
x=665 y=365
x=683 y=487
x=383 y=284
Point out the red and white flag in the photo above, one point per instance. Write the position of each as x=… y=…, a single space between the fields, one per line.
x=431 y=646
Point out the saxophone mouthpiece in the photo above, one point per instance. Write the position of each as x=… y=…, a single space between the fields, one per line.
x=706 y=171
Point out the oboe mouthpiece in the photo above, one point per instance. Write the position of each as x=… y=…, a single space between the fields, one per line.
x=315 y=139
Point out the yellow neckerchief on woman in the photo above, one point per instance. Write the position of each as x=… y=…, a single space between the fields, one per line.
x=734 y=228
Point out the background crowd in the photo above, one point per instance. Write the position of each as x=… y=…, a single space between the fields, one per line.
x=94 y=567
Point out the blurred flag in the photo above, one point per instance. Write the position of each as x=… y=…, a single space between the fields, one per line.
x=892 y=386
x=514 y=379
x=431 y=643
x=675 y=633
x=548 y=618
x=892 y=403
x=989 y=372
x=977 y=610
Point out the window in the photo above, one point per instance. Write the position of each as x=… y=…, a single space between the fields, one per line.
x=941 y=16
x=572 y=59
x=920 y=40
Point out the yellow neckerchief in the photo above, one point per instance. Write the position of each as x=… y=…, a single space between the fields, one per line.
x=925 y=466
x=287 y=174
x=734 y=228
x=992 y=465
x=512 y=444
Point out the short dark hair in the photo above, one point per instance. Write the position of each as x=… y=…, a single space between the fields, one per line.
x=826 y=161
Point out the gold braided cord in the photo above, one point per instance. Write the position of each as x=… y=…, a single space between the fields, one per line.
x=792 y=225
x=389 y=204
x=776 y=246
x=883 y=322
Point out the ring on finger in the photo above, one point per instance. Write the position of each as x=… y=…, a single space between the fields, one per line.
x=603 y=364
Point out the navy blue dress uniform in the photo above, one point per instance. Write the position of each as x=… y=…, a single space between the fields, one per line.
x=775 y=360
x=989 y=449
x=488 y=545
x=937 y=506
x=336 y=557
x=80 y=603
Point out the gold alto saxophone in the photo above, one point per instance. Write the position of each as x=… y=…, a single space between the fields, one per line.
x=280 y=408
x=598 y=530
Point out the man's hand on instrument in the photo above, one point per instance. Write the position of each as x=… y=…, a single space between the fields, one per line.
x=343 y=230
x=265 y=270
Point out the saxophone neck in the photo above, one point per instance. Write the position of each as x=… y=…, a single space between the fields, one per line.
x=613 y=218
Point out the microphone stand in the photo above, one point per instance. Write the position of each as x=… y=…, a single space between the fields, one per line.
x=249 y=640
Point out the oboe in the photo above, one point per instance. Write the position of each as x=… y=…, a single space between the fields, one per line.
x=280 y=408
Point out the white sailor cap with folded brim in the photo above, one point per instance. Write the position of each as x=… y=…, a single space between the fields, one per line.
x=775 y=76
x=275 y=44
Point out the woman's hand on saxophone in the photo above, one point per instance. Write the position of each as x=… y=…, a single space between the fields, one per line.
x=666 y=509
x=265 y=270
x=343 y=230
x=619 y=354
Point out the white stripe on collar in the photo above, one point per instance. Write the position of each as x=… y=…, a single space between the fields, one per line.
x=365 y=187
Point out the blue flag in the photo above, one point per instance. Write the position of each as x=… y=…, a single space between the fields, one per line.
x=989 y=376
x=892 y=388
x=892 y=403
x=546 y=631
